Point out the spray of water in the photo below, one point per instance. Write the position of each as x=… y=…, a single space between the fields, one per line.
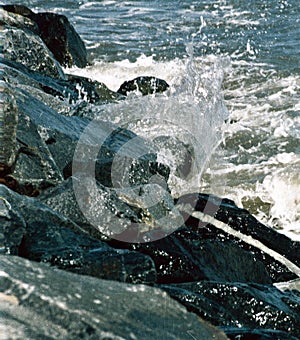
x=183 y=124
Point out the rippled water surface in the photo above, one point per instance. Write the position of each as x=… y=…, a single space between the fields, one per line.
x=233 y=61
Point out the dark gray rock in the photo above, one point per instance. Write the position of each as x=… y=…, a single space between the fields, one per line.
x=250 y=306
x=123 y=159
x=188 y=255
x=19 y=10
x=58 y=94
x=47 y=141
x=77 y=253
x=92 y=91
x=18 y=20
x=58 y=34
x=62 y=39
x=104 y=215
x=39 y=302
x=280 y=255
x=209 y=249
x=144 y=84
x=147 y=209
x=34 y=167
x=18 y=212
x=256 y=334
x=8 y=129
x=27 y=48
x=31 y=229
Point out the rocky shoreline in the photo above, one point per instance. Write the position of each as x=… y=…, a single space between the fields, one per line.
x=108 y=264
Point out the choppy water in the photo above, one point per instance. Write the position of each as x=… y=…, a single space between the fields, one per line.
x=222 y=58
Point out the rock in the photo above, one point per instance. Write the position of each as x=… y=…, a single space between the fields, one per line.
x=208 y=249
x=48 y=90
x=257 y=334
x=19 y=10
x=280 y=255
x=57 y=93
x=156 y=209
x=18 y=20
x=97 y=209
x=18 y=212
x=62 y=39
x=58 y=34
x=34 y=167
x=83 y=255
x=145 y=85
x=180 y=155
x=8 y=129
x=27 y=48
x=138 y=214
x=92 y=91
x=123 y=159
x=41 y=302
x=47 y=141
x=31 y=229
x=241 y=308
x=188 y=255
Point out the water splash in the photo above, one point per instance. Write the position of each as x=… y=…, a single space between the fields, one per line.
x=184 y=123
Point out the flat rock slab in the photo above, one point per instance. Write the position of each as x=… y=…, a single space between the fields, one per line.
x=35 y=305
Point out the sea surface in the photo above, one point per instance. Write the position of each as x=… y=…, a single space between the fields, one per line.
x=234 y=72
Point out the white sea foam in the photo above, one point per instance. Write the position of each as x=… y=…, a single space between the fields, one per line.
x=113 y=74
x=259 y=164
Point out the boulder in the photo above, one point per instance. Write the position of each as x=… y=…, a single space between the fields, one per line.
x=206 y=248
x=27 y=48
x=137 y=214
x=143 y=84
x=188 y=255
x=241 y=308
x=32 y=230
x=95 y=208
x=59 y=94
x=57 y=33
x=47 y=140
x=8 y=129
x=39 y=302
x=257 y=334
x=92 y=91
x=281 y=255
x=18 y=20
x=34 y=168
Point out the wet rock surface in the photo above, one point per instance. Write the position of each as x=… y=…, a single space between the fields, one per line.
x=220 y=303
x=145 y=85
x=31 y=229
x=39 y=302
x=89 y=197
x=28 y=49
x=57 y=33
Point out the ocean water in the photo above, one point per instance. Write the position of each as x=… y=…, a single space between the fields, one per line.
x=234 y=101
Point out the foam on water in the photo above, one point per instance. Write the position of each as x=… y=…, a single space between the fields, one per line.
x=258 y=165
x=113 y=74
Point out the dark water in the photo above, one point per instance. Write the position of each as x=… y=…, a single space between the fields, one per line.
x=114 y=30
x=236 y=58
